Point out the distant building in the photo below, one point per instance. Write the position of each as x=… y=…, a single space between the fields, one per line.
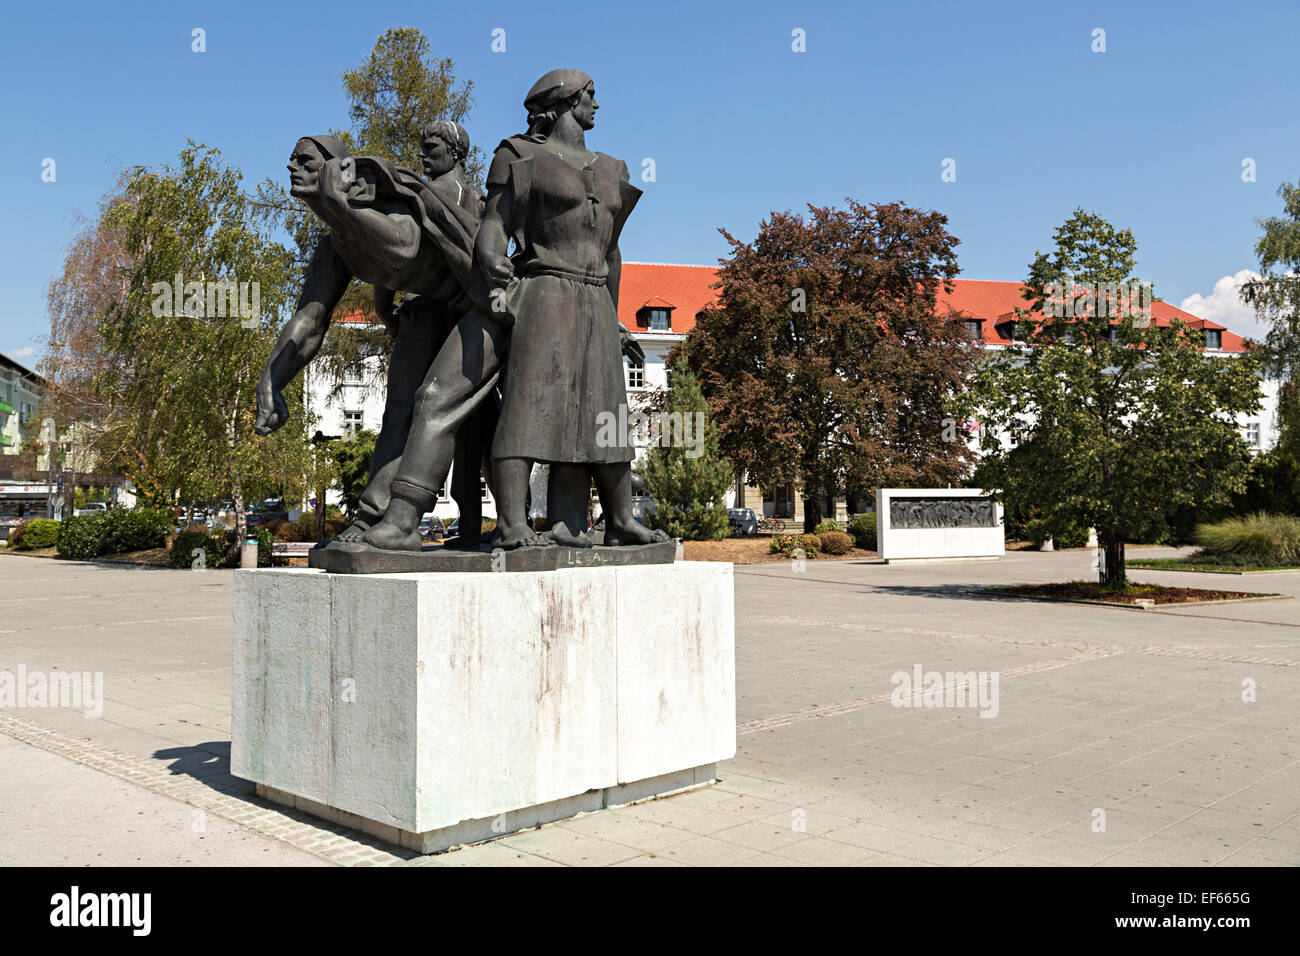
x=659 y=302
x=20 y=399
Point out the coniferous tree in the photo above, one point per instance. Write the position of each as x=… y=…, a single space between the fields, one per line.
x=684 y=472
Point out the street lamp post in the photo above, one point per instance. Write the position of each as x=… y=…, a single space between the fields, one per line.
x=48 y=426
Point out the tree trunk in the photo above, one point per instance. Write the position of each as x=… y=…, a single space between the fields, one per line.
x=320 y=512
x=811 y=509
x=1114 y=574
x=241 y=522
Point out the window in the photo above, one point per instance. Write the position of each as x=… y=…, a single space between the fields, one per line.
x=1213 y=339
x=974 y=328
x=354 y=374
x=657 y=320
x=635 y=374
x=353 y=420
x=483 y=490
x=442 y=492
x=1252 y=434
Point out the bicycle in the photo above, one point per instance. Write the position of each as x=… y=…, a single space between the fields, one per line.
x=768 y=523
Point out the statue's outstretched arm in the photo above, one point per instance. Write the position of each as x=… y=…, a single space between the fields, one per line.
x=300 y=339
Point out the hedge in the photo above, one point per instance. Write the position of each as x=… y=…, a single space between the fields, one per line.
x=113 y=532
x=862 y=528
x=187 y=542
x=35 y=533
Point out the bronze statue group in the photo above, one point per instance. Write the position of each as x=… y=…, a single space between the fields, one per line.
x=507 y=348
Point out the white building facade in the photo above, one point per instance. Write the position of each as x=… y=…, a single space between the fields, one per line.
x=658 y=304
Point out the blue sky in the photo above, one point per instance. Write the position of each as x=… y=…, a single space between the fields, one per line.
x=1151 y=133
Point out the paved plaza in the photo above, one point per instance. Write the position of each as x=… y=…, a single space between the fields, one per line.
x=1121 y=737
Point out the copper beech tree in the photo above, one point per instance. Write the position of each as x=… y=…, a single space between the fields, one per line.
x=826 y=360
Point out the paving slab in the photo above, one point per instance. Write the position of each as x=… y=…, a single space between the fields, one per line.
x=1140 y=715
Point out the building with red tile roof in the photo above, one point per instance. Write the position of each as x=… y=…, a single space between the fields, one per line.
x=659 y=303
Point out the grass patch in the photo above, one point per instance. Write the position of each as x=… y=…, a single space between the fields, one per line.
x=1134 y=594
x=1252 y=539
x=1199 y=561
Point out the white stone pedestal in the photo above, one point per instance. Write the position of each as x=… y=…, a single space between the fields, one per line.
x=438 y=709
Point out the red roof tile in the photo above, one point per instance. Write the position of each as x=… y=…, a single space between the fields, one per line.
x=996 y=302
x=685 y=289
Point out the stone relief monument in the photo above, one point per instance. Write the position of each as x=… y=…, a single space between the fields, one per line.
x=943 y=512
x=935 y=524
x=382 y=688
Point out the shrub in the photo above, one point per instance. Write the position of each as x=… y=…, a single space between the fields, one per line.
x=835 y=542
x=134 y=529
x=489 y=525
x=809 y=543
x=264 y=541
x=862 y=528
x=335 y=525
x=81 y=538
x=16 y=534
x=1064 y=534
x=187 y=542
x=787 y=544
x=1263 y=537
x=39 y=533
x=288 y=530
x=826 y=525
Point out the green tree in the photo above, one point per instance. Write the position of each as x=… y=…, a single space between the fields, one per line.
x=1121 y=421
x=352 y=457
x=182 y=371
x=826 y=358
x=1275 y=296
x=683 y=471
x=394 y=93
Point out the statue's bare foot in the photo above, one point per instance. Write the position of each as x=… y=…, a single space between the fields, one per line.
x=354 y=532
x=519 y=536
x=389 y=536
x=572 y=539
x=632 y=533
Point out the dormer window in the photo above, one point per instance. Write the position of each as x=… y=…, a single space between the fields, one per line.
x=658 y=320
x=975 y=329
x=1213 y=339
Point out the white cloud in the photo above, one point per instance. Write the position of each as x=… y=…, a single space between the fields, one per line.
x=1224 y=305
x=24 y=352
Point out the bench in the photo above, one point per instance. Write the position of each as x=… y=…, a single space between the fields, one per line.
x=290 y=549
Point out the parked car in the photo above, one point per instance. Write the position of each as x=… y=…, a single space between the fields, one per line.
x=91 y=508
x=273 y=509
x=431 y=528
x=743 y=521
x=452 y=530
